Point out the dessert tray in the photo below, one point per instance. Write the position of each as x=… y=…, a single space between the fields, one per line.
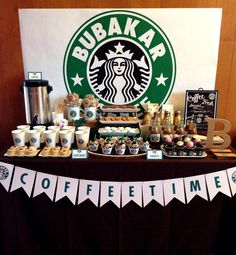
x=59 y=153
x=119 y=108
x=118 y=120
x=23 y=155
x=21 y=151
x=114 y=155
x=184 y=154
x=118 y=131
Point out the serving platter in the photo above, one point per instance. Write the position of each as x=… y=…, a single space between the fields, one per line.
x=204 y=155
x=114 y=155
x=23 y=155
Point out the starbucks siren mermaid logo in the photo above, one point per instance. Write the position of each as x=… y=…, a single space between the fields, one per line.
x=125 y=75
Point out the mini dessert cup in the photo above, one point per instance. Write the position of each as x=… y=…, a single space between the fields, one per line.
x=179 y=148
x=190 y=147
x=144 y=146
x=169 y=148
x=200 y=149
x=93 y=145
x=107 y=148
x=134 y=149
x=120 y=147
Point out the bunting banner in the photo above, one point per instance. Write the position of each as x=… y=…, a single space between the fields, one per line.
x=120 y=194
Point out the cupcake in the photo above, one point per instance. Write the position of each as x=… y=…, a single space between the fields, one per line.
x=134 y=148
x=167 y=139
x=144 y=146
x=199 y=149
x=169 y=148
x=180 y=148
x=190 y=147
x=120 y=147
x=107 y=147
x=186 y=139
x=93 y=145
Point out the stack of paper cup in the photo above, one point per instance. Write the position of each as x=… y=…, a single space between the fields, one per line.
x=25 y=128
x=34 y=137
x=18 y=137
x=40 y=128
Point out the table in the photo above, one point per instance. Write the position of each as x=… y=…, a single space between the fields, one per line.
x=40 y=226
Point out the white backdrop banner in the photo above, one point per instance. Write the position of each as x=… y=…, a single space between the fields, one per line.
x=171 y=50
x=120 y=193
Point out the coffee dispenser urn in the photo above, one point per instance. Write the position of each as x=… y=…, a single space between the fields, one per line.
x=37 y=103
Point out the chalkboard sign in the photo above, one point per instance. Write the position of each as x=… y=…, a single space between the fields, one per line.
x=200 y=104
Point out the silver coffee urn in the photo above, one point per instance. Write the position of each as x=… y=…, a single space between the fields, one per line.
x=37 y=102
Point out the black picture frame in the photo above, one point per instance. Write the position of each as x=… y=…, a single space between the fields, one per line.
x=200 y=104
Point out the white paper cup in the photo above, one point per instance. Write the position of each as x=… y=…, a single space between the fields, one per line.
x=73 y=112
x=57 y=130
x=40 y=128
x=66 y=138
x=50 y=138
x=34 y=138
x=81 y=139
x=85 y=129
x=25 y=128
x=90 y=113
x=72 y=130
x=18 y=137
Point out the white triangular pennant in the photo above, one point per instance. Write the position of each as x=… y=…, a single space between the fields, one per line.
x=89 y=189
x=6 y=171
x=232 y=179
x=195 y=185
x=217 y=182
x=174 y=188
x=110 y=191
x=23 y=178
x=132 y=191
x=153 y=190
x=67 y=187
x=45 y=183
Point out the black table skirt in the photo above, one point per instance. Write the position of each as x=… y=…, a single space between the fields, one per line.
x=42 y=227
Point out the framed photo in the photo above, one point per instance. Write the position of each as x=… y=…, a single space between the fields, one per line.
x=200 y=104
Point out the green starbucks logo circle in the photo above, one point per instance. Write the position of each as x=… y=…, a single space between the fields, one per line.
x=4 y=173
x=64 y=140
x=17 y=140
x=89 y=114
x=73 y=113
x=33 y=140
x=122 y=57
x=234 y=177
x=49 y=140
x=80 y=141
